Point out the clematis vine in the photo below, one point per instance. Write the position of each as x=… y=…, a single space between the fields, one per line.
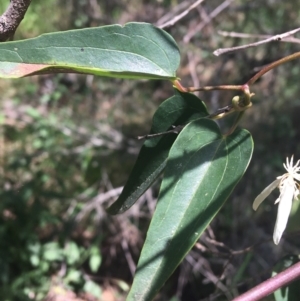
x=289 y=191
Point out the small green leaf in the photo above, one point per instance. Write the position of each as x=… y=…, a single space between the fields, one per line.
x=177 y=110
x=52 y=251
x=34 y=113
x=72 y=253
x=34 y=260
x=202 y=169
x=92 y=288
x=122 y=285
x=136 y=50
x=74 y=276
x=95 y=259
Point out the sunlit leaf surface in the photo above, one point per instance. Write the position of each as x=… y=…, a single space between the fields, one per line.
x=177 y=110
x=202 y=169
x=136 y=50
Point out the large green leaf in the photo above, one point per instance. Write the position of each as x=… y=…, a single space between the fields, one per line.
x=202 y=169
x=136 y=50
x=177 y=110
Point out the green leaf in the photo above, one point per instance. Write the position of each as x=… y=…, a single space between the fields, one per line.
x=136 y=50
x=292 y=291
x=34 y=260
x=95 y=259
x=92 y=288
x=52 y=252
x=202 y=170
x=72 y=253
x=152 y=159
x=74 y=276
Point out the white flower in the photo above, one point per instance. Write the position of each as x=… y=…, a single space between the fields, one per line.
x=289 y=190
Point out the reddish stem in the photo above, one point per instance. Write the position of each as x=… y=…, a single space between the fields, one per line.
x=273 y=65
x=271 y=285
x=178 y=85
x=251 y=81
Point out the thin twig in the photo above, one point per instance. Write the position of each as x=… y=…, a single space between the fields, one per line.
x=175 y=130
x=98 y=201
x=202 y=265
x=12 y=17
x=242 y=35
x=273 y=65
x=276 y=38
x=211 y=16
x=128 y=256
x=220 y=113
x=170 y=14
x=180 y=16
x=192 y=63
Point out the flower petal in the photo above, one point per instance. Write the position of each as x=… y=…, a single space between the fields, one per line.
x=296 y=166
x=277 y=201
x=296 y=176
x=284 y=209
x=266 y=192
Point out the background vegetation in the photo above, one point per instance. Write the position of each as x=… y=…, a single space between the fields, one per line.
x=68 y=142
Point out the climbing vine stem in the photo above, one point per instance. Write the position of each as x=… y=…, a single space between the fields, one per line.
x=273 y=65
x=239 y=103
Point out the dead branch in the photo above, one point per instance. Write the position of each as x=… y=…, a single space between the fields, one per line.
x=276 y=38
x=180 y=16
x=98 y=201
x=207 y=20
x=12 y=17
x=242 y=35
x=175 y=130
x=171 y=14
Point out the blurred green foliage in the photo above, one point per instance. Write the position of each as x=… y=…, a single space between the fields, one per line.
x=66 y=140
x=36 y=221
